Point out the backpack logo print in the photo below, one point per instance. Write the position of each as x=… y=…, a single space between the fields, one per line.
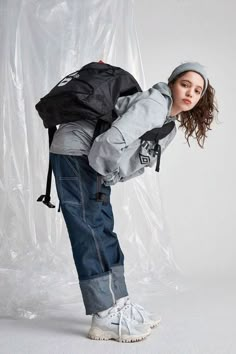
x=68 y=79
x=144 y=159
x=65 y=81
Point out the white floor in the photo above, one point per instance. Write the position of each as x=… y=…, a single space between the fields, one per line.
x=200 y=320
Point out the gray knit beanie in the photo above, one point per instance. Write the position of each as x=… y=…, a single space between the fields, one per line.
x=191 y=66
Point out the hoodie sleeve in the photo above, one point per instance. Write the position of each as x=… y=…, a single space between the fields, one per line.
x=105 y=153
x=145 y=111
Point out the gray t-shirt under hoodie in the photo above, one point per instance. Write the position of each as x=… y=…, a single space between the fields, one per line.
x=73 y=138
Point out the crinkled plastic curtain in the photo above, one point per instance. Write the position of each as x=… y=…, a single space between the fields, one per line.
x=42 y=41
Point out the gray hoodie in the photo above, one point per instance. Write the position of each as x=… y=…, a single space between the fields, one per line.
x=118 y=154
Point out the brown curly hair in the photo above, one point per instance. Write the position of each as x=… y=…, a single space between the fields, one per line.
x=199 y=119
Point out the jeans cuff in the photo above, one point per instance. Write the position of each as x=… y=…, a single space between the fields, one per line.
x=101 y=292
x=118 y=281
x=96 y=293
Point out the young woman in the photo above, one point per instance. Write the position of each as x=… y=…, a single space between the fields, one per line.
x=119 y=155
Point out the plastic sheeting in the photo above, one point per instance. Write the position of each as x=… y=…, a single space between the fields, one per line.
x=41 y=42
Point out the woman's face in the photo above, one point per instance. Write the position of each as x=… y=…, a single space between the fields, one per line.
x=186 y=92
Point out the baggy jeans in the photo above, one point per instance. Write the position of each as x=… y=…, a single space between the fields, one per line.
x=98 y=257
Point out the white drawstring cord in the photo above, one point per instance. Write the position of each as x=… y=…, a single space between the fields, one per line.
x=126 y=320
x=138 y=308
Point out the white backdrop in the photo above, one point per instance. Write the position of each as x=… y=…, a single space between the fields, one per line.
x=198 y=185
x=42 y=41
x=189 y=213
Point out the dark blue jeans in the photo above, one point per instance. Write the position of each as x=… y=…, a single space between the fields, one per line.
x=98 y=257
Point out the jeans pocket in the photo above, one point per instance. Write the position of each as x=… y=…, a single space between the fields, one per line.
x=70 y=190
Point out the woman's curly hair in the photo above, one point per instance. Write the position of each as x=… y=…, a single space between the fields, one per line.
x=198 y=120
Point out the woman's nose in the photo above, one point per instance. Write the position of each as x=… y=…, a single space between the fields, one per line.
x=189 y=94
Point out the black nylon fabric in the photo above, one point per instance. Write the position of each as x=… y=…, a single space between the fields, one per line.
x=157 y=134
x=89 y=93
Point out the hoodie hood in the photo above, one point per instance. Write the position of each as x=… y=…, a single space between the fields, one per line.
x=164 y=89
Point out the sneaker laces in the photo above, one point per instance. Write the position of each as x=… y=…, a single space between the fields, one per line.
x=135 y=307
x=122 y=318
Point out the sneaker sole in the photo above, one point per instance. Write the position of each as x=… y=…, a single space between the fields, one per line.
x=154 y=324
x=98 y=334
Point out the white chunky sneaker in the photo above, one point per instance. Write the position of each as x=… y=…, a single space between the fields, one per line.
x=138 y=313
x=118 y=327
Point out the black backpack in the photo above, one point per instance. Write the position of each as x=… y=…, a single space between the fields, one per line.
x=90 y=93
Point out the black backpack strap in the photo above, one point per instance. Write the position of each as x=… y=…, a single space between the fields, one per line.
x=45 y=198
x=157 y=151
x=157 y=134
x=100 y=128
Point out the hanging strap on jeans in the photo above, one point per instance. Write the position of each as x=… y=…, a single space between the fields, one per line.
x=45 y=198
x=100 y=197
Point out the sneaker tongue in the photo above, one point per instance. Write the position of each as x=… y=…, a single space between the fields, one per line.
x=114 y=309
x=128 y=302
x=122 y=301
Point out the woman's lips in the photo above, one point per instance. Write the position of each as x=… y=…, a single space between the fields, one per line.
x=187 y=101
